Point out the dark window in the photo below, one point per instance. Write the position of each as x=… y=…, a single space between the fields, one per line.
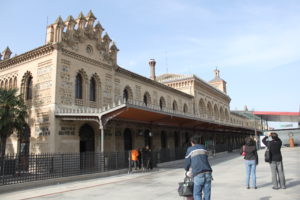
x=29 y=89
x=127 y=139
x=185 y=108
x=15 y=82
x=78 y=87
x=162 y=103
x=145 y=100
x=125 y=95
x=164 y=141
x=175 y=107
x=92 y=90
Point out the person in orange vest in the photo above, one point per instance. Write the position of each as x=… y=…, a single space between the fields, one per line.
x=291 y=141
x=134 y=158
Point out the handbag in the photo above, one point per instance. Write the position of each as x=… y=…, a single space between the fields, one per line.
x=268 y=154
x=186 y=187
x=244 y=153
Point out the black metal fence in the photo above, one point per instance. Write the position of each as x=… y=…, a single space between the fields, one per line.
x=19 y=168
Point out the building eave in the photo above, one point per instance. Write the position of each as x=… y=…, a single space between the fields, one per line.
x=155 y=83
x=194 y=77
x=37 y=52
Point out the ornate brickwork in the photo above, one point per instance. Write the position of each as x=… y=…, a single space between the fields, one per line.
x=43 y=84
x=118 y=89
x=138 y=92
x=72 y=33
x=107 y=91
x=66 y=87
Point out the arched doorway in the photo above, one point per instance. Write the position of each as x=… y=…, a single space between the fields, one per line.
x=127 y=139
x=164 y=140
x=87 y=139
x=23 y=148
x=24 y=141
x=148 y=138
x=176 y=139
x=178 y=152
x=187 y=142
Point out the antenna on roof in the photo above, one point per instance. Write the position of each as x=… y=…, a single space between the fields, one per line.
x=46 y=29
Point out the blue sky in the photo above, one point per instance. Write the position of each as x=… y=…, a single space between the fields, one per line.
x=255 y=44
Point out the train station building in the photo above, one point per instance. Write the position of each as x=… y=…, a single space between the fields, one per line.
x=81 y=100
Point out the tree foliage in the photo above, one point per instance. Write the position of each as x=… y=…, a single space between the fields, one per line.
x=13 y=113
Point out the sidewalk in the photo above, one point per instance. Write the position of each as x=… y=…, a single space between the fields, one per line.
x=228 y=184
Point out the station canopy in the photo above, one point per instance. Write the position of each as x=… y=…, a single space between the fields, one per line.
x=278 y=116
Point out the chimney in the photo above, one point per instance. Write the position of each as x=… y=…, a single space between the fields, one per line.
x=152 y=69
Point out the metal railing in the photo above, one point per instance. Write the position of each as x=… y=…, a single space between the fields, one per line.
x=20 y=168
x=17 y=168
x=80 y=110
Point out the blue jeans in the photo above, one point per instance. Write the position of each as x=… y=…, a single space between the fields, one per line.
x=250 y=171
x=202 y=182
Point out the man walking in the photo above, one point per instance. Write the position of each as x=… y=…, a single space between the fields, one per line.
x=196 y=158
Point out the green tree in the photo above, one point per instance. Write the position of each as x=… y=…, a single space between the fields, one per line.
x=13 y=113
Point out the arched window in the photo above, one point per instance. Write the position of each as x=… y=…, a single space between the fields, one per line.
x=92 y=89
x=185 y=108
x=78 y=87
x=6 y=84
x=15 y=82
x=29 y=88
x=175 y=106
x=10 y=84
x=2 y=84
x=222 y=117
x=202 y=109
x=147 y=98
x=162 y=103
x=127 y=93
x=226 y=115
x=216 y=112
x=209 y=110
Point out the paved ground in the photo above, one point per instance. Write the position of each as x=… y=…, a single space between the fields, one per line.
x=228 y=184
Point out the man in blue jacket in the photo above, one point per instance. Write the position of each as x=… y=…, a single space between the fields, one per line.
x=197 y=158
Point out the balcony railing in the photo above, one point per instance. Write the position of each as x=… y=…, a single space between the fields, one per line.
x=79 y=111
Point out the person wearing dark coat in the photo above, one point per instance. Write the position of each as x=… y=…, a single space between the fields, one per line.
x=276 y=165
x=147 y=157
x=251 y=160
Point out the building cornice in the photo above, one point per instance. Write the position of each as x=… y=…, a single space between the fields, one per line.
x=202 y=82
x=35 y=53
x=152 y=82
x=211 y=87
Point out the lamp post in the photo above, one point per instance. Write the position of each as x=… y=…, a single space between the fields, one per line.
x=255 y=131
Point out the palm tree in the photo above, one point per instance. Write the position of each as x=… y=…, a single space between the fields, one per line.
x=13 y=112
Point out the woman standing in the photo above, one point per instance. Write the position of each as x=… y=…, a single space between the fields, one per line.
x=251 y=160
x=276 y=160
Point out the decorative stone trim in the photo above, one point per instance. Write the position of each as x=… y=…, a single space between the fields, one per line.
x=35 y=53
x=85 y=59
x=79 y=102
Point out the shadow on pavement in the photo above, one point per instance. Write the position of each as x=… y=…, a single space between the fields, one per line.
x=292 y=184
x=224 y=158
x=213 y=161
x=266 y=198
x=289 y=183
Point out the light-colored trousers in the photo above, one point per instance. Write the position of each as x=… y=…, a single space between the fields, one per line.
x=277 y=173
